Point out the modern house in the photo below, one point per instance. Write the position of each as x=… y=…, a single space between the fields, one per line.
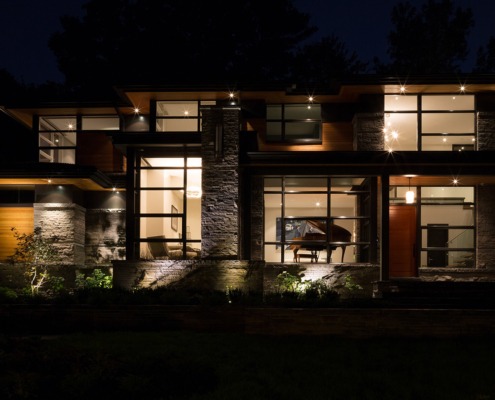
x=389 y=174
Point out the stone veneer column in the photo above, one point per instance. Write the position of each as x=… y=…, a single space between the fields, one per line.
x=485 y=212
x=486 y=131
x=368 y=132
x=66 y=221
x=220 y=181
x=485 y=227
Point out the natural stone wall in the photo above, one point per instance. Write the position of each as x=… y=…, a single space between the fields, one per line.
x=486 y=131
x=485 y=226
x=219 y=217
x=105 y=235
x=65 y=221
x=206 y=275
x=249 y=276
x=368 y=132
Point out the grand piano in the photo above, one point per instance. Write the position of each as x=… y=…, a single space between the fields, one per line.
x=315 y=231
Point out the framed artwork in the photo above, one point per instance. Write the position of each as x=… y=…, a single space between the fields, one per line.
x=174 y=222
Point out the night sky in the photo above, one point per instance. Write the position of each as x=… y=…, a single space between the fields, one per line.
x=26 y=25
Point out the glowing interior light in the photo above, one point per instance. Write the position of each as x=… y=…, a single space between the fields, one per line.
x=402 y=89
x=473 y=140
x=186 y=112
x=310 y=98
x=193 y=192
x=455 y=181
x=309 y=107
x=396 y=97
x=409 y=197
x=395 y=134
x=390 y=150
x=231 y=95
x=444 y=139
x=409 y=194
x=317 y=204
x=70 y=126
x=462 y=88
x=136 y=110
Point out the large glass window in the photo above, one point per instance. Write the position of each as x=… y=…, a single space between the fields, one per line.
x=430 y=122
x=169 y=207
x=296 y=123
x=57 y=135
x=179 y=116
x=447 y=227
x=317 y=219
x=100 y=123
x=57 y=139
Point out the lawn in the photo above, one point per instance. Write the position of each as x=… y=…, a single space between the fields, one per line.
x=185 y=365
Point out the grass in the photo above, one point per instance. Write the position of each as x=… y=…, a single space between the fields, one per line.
x=185 y=365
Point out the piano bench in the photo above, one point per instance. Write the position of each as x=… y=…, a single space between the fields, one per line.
x=313 y=257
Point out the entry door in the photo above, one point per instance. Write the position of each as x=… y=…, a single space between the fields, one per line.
x=437 y=237
x=402 y=241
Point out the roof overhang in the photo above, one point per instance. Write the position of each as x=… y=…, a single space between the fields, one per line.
x=85 y=178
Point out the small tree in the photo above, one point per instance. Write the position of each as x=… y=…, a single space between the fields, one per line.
x=35 y=253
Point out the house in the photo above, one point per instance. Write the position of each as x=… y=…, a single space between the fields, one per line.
x=383 y=173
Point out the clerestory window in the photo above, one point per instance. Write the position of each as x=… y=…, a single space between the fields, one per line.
x=293 y=123
x=430 y=122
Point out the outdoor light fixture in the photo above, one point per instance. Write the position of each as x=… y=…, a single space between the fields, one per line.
x=409 y=194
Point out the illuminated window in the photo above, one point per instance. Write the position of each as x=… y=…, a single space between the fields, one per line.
x=179 y=116
x=430 y=122
x=57 y=139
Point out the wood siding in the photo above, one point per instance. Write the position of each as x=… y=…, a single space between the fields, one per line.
x=21 y=218
x=96 y=150
x=336 y=136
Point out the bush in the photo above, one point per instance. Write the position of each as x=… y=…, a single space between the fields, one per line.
x=35 y=253
x=7 y=295
x=97 y=279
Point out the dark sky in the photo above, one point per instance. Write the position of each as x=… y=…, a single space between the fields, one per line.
x=26 y=25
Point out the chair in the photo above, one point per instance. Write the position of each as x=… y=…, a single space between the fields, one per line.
x=164 y=251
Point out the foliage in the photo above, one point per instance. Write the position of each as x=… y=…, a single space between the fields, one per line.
x=293 y=290
x=97 y=279
x=323 y=61
x=257 y=47
x=7 y=295
x=288 y=282
x=35 y=253
x=431 y=40
x=351 y=285
x=485 y=62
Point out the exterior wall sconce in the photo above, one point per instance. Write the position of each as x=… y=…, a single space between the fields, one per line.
x=409 y=194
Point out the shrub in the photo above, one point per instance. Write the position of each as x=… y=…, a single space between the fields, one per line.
x=35 y=253
x=97 y=279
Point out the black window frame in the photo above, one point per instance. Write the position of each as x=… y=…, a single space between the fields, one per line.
x=283 y=120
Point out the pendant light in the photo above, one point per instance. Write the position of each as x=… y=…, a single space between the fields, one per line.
x=409 y=194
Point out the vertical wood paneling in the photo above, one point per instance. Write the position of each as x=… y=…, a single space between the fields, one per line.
x=22 y=218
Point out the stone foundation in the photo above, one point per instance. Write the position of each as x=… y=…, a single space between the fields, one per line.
x=248 y=276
